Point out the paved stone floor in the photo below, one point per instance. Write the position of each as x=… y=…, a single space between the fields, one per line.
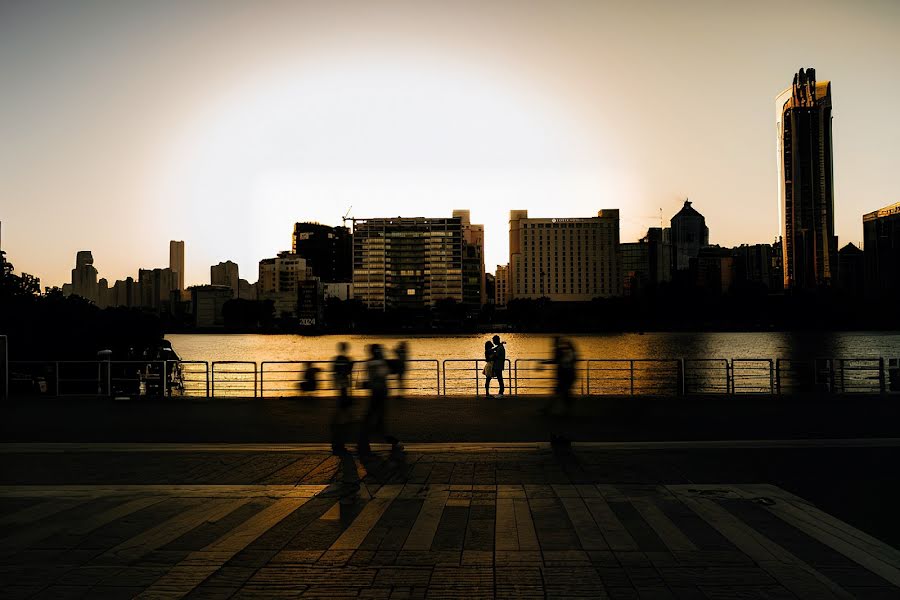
x=513 y=521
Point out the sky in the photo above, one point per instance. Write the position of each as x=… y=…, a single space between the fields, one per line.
x=126 y=124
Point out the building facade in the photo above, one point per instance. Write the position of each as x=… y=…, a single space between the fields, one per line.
x=647 y=262
x=84 y=276
x=805 y=182
x=176 y=262
x=564 y=259
x=407 y=263
x=472 y=261
x=689 y=235
x=328 y=251
x=156 y=287
x=228 y=274
x=501 y=285
x=207 y=302
x=881 y=243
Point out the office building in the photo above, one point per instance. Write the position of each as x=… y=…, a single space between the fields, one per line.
x=126 y=293
x=501 y=285
x=472 y=261
x=227 y=274
x=714 y=271
x=881 y=242
x=328 y=251
x=311 y=303
x=564 y=259
x=805 y=186
x=84 y=276
x=407 y=263
x=176 y=263
x=246 y=290
x=647 y=262
x=689 y=235
x=157 y=287
x=851 y=279
x=207 y=302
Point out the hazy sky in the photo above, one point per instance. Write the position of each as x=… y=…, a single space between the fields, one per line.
x=126 y=124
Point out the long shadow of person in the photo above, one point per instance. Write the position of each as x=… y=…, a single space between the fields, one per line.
x=382 y=469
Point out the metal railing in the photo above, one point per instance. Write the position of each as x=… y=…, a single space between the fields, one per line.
x=466 y=376
x=430 y=377
x=285 y=378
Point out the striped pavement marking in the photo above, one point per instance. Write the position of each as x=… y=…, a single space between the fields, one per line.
x=515 y=542
x=354 y=535
x=193 y=570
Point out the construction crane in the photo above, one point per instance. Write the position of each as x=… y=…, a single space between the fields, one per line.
x=345 y=218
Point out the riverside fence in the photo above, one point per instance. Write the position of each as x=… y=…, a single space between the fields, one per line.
x=431 y=377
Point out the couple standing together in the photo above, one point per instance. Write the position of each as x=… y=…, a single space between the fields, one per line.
x=495 y=359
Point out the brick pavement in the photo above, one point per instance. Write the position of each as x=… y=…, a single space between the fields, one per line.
x=439 y=522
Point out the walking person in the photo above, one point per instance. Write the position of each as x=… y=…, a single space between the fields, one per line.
x=398 y=365
x=342 y=371
x=565 y=358
x=498 y=362
x=377 y=372
x=488 y=370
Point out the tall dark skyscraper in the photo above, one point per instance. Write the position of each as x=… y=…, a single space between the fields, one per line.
x=689 y=235
x=805 y=182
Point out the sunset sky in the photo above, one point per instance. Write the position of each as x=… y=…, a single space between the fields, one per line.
x=126 y=124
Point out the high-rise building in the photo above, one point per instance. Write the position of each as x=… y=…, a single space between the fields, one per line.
x=881 y=242
x=689 y=235
x=564 y=259
x=754 y=263
x=472 y=261
x=126 y=293
x=327 y=250
x=84 y=276
x=501 y=285
x=176 y=263
x=805 y=186
x=407 y=263
x=156 y=287
x=227 y=274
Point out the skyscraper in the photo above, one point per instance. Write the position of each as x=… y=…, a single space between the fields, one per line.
x=805 y=186
x=176 y=262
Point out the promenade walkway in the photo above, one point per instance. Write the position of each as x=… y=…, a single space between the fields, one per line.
x=742 y=519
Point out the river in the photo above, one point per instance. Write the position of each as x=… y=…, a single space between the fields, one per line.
x=798 y=346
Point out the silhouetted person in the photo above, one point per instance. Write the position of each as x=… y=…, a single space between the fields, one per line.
x=377 y=373
x=398 y=365
x=565 y=358
x=342 y=371
x=498 y=364
x=310 y=381
x=488 y=367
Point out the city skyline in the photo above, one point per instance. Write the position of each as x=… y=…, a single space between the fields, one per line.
x=556 y=112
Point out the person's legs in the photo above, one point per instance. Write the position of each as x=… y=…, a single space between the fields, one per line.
x=487 y=385
x=500 y=381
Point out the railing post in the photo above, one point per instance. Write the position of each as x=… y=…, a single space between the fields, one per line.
x=213 y=380
x=476 y=377
x=587 y=376
x=254 y=379
x=778 y=376
x=882 y=387
x=262 y=371
x=631 y=375
x=841 y=363
x=444 y=373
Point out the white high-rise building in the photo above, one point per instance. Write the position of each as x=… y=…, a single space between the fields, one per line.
x=564 y=259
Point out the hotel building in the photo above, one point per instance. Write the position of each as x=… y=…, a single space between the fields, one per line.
x=564 y=259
